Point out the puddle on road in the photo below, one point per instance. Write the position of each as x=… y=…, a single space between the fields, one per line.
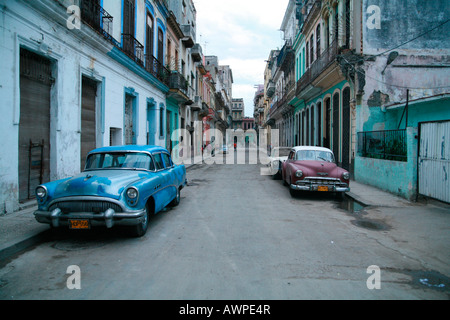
x=431 y=279
x=356 y=209
x=351 y=205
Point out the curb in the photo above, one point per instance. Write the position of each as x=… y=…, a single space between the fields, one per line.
x=357 y=199
x=20 y=244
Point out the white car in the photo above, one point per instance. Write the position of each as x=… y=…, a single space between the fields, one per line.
x=277 y=157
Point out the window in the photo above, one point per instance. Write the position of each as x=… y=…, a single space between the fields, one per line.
x=158 y=161
x=307 y=55
x=149 y=35
x=167 y=160
x=160 y=46
x=318 y=41
x=311 y=43
x=118 y=160
x=303 y=155
x=336 y=24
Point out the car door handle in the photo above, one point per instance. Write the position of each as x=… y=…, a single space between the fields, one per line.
x=158 y=186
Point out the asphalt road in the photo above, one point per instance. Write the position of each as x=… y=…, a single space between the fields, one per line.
x=236 y=235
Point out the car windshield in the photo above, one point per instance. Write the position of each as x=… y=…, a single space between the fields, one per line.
x=314 y=155
x=282 y=152
x=119 y=160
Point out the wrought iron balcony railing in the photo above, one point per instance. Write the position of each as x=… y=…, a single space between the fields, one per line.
x=156 y=68
x=98 y=19
x=133 y=48
x=177 y=81
x=318 y=66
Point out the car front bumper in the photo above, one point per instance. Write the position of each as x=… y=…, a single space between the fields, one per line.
x=109 y=218
x=318 y=184
x=316 y=188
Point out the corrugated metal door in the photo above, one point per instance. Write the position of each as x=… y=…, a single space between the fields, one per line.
x=434 y=160
x=88 y=118
x=34 y=129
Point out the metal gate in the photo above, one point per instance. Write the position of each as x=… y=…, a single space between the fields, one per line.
x=434 y=160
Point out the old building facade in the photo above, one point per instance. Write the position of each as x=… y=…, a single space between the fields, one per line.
x=368 y=86
x=81 y=74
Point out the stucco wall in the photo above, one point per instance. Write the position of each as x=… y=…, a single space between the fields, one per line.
x=394 y=176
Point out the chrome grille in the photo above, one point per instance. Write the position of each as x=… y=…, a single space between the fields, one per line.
x=323 y=182
x=85 y=206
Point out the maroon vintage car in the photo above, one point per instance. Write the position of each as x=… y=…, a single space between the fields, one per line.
x=314 y=169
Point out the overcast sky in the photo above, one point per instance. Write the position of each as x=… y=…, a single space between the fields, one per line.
x=241 y=33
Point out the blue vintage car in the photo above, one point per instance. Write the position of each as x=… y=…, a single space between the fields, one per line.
x=119 y=186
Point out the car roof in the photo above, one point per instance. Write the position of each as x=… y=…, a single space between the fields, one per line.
x=129 y=148
x=298 y=148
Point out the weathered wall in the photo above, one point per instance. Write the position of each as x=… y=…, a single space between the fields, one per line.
x=387 y=24
x=394 y=176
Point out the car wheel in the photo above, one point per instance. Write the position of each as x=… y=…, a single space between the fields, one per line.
x=141 y=229
x=175 y=202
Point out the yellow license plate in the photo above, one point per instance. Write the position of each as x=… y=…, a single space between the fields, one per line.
x=79 y=224
x=322 y=188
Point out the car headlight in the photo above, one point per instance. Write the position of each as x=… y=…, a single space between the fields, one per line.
x=132 y=193
x=41 y=192
x=346 y=175
x=299 y=173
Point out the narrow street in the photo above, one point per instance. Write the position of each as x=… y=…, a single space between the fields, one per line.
x=237 y=235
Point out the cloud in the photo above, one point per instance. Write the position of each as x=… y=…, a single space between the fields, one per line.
x=241 y=33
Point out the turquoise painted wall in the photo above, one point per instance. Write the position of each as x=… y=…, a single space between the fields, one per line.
x=397 y=177
x=394 y=176
x=373 y=119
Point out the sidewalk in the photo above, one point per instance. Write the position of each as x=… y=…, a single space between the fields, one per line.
x=19 y=230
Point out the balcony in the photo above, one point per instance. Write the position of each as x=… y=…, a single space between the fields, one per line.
x=196 y=53
x=270 y=89
x=133 y=48
x=326 y=59
x=189 y=35
x=197 y=105
x=204 y=111
x=178 y=87
x=286 y=57
x=98 y=19
x=153 y=66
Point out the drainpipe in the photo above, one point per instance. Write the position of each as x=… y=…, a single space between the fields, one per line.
x=405 y=110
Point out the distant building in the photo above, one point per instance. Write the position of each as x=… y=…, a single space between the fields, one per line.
x=237 y=112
